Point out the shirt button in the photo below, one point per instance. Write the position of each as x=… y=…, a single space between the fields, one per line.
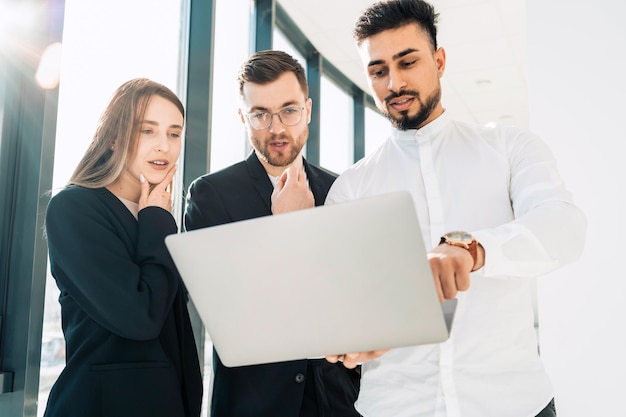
x=299 y=378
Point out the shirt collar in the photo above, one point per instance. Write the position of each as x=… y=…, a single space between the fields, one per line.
x=427 y=131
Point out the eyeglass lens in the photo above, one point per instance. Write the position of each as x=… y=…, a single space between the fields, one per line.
x=289 y=116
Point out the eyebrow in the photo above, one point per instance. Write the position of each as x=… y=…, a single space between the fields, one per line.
x=153 y=123
x=289 y=103
x=394 y=57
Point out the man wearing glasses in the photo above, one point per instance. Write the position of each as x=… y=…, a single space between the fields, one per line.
x=275 y=178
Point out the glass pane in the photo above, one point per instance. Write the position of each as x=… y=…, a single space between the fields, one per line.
x=104 y=44
x=377 y=129
x=336 y=127
x=228 y=139
x=281 y=43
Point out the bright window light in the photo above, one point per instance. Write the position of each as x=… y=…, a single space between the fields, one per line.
x=16 y=18
x=49 y=69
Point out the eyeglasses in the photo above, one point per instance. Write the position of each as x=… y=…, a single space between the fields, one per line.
x=289 y=116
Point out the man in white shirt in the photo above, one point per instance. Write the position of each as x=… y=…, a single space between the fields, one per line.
x=501 y=188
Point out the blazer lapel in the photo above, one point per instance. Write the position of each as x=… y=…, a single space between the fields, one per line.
x=314 y=184
x=260 y=179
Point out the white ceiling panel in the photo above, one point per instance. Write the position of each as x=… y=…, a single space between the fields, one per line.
x=487 y=80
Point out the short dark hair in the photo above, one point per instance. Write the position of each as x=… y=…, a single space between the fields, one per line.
x=392 y=14
x=266 y=66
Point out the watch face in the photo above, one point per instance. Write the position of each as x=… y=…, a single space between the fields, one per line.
x=459 y=236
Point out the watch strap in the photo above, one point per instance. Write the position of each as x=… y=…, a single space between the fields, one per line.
x=471 y=246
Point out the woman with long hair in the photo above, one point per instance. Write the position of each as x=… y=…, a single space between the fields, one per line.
x=130 y=349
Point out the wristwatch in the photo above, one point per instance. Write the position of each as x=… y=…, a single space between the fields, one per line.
x=462 y=240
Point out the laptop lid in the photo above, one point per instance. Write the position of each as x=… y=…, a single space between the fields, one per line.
x=328 y=280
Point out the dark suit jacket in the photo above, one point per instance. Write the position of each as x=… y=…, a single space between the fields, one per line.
x=130 y=349
x=290 y=389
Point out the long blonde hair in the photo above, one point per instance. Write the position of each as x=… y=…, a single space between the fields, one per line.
x=116 y=138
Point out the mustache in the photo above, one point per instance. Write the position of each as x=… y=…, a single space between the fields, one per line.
x=393 y=95
x=281 y=137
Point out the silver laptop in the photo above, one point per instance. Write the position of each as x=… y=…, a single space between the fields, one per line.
x=328 y=280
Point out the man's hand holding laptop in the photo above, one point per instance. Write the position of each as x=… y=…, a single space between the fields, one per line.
x=352 y=360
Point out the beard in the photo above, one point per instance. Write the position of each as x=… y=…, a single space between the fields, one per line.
x=280 y=158
x=404 y=121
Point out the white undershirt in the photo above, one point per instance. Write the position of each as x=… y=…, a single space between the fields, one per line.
x=131 y=206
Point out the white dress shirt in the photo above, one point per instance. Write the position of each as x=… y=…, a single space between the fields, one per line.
x=501 y=184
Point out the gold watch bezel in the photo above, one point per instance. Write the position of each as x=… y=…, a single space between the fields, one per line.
x=463 y=240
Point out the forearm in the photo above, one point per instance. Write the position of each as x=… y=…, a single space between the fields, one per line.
x=538 y=242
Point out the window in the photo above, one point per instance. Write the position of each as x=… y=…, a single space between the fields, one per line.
x=229 y=143
x=108 y=43
x=336 y=127
x=281 y=43
x=377 y=129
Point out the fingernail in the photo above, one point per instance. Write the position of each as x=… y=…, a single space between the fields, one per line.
x=142 y=179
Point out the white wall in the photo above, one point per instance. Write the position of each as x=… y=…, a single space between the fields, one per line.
x=577 y=97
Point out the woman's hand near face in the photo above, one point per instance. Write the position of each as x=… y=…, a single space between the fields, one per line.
x=159 y=195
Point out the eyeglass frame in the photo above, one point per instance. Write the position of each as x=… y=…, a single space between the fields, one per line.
x=301 y=108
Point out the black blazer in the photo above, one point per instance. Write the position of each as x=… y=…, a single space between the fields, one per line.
x=130 y=349
x=240 y=192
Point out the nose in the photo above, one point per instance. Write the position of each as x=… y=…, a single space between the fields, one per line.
x=277 y=125
x=163 y=144
x=396 y=81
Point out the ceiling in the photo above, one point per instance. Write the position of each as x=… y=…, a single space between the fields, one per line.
x=485 y=43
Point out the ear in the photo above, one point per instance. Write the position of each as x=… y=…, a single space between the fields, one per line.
x=440 y=60
x=242 y=117
x=309 y=105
